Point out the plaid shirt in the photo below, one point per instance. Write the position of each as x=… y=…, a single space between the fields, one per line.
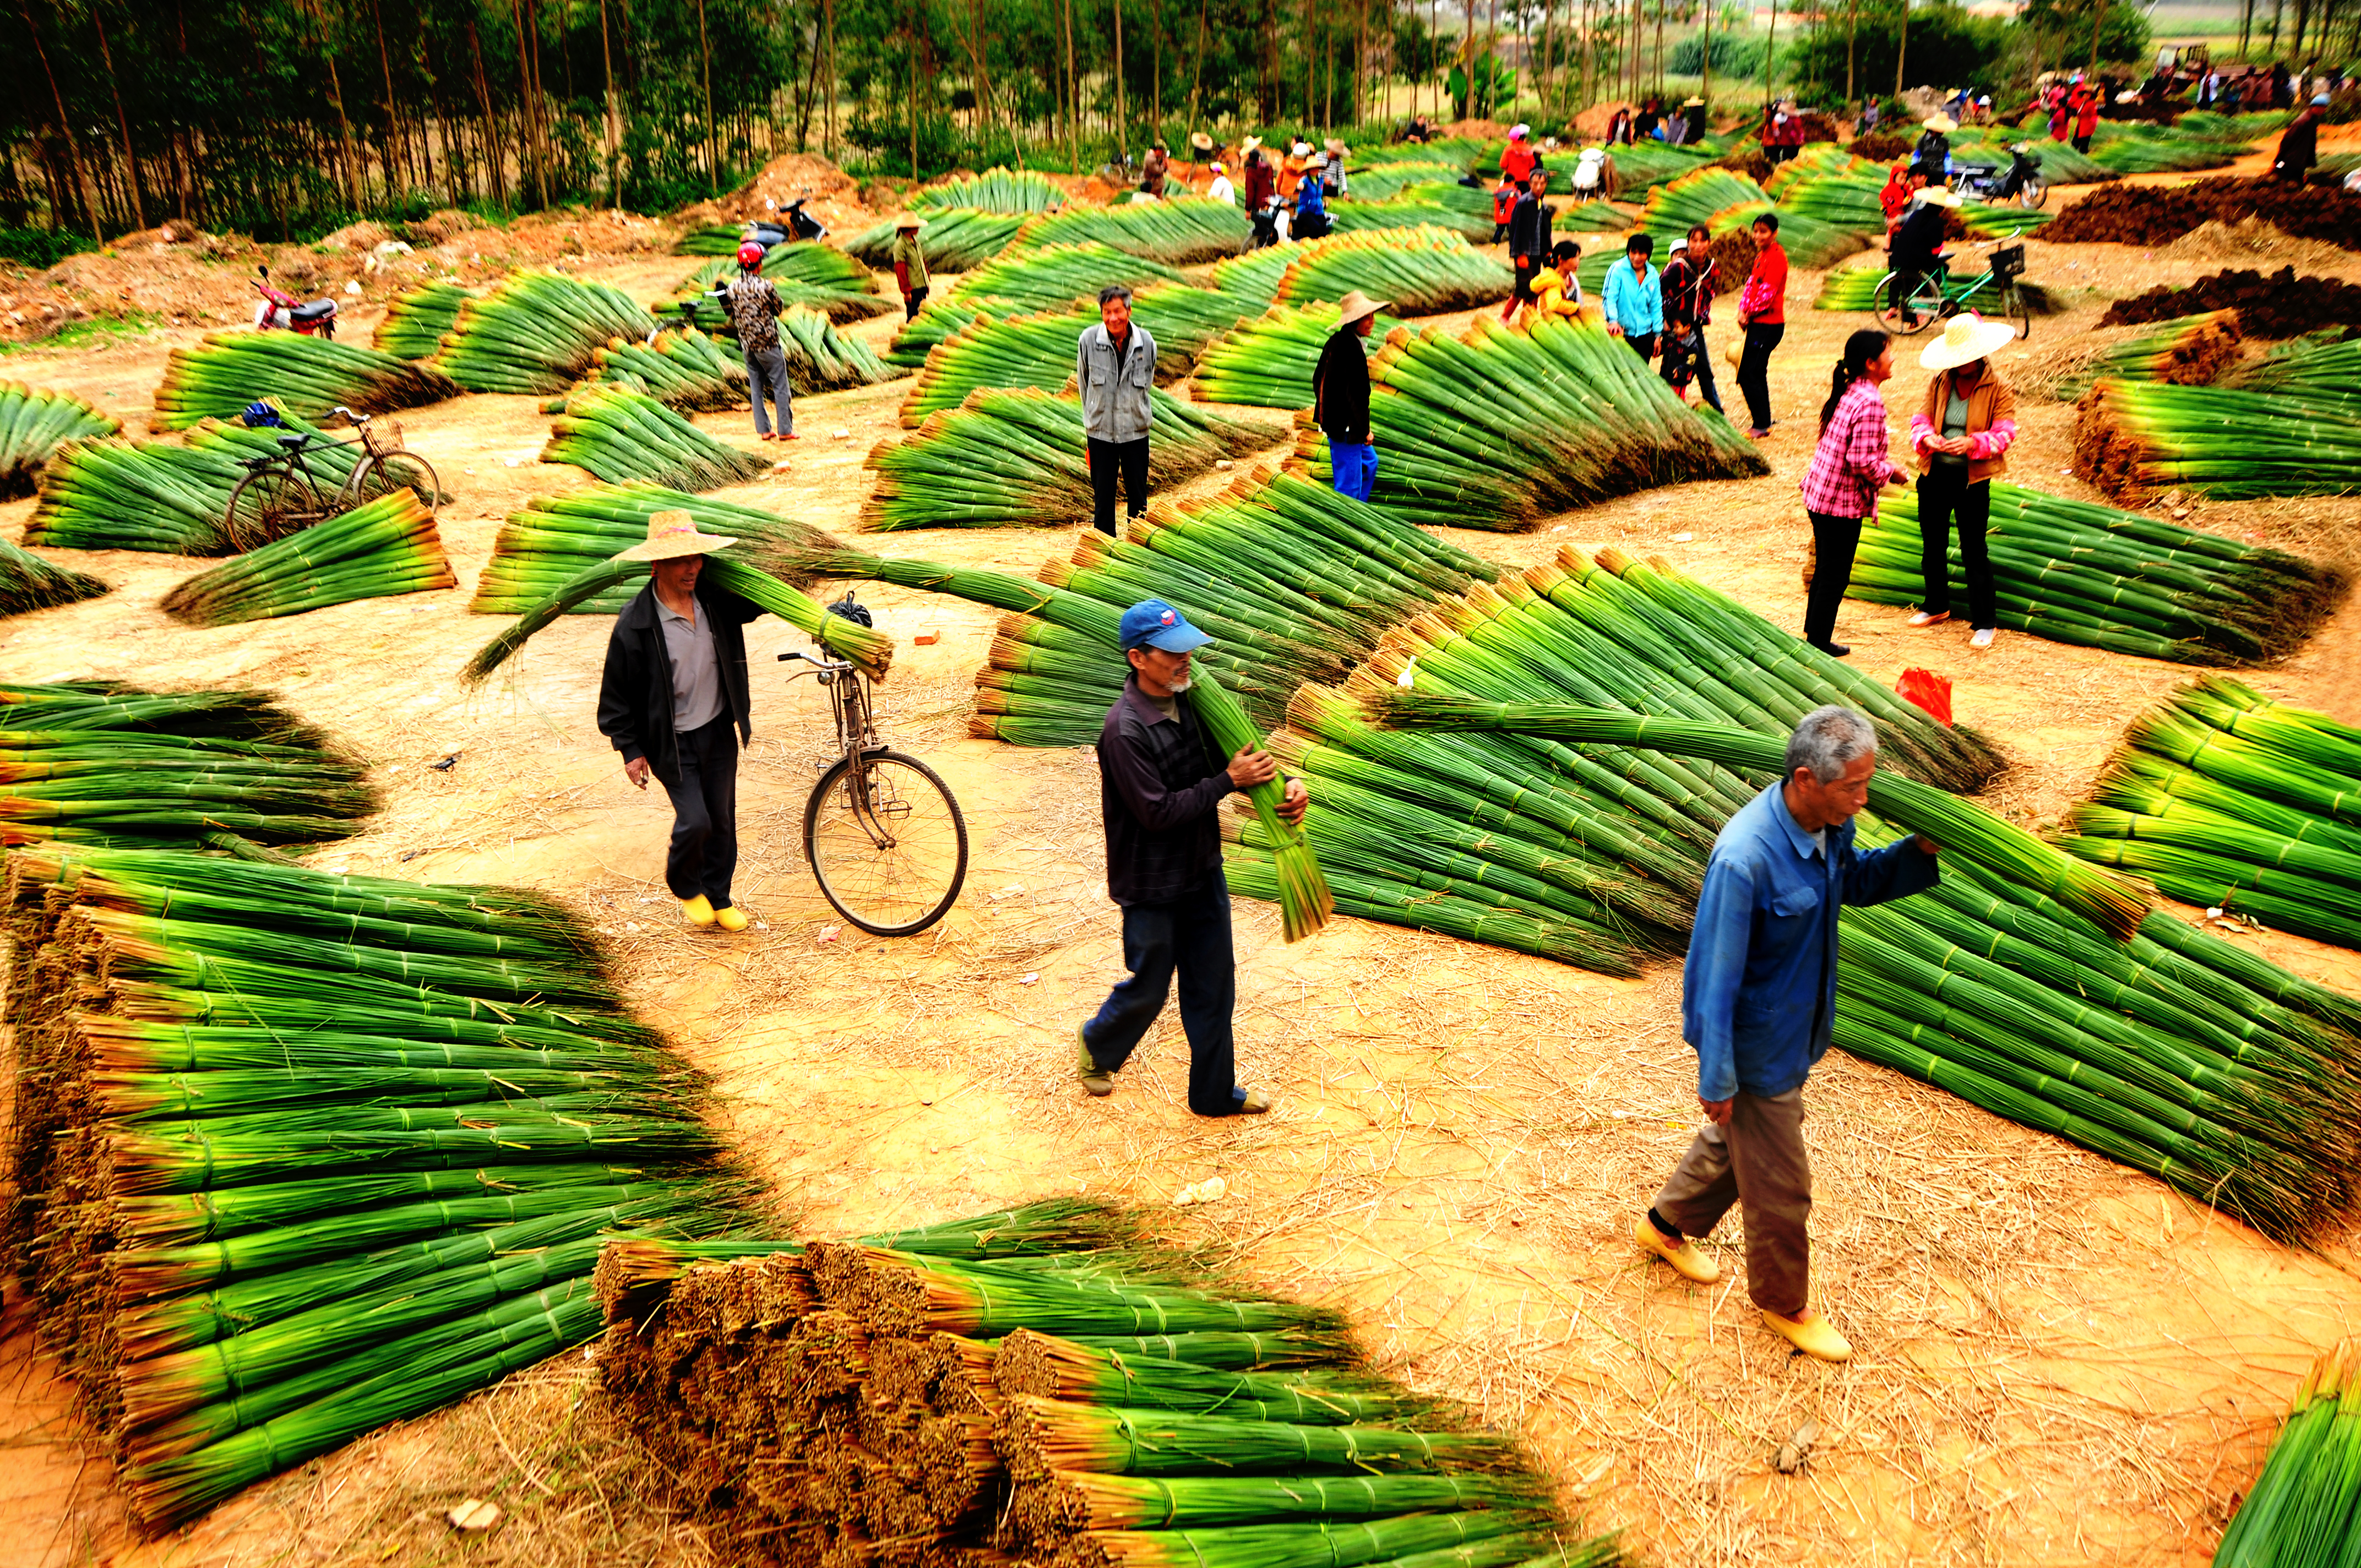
x=753 y=306
x=1851 y=465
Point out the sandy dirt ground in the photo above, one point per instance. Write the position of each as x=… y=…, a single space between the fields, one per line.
x=2061 y=1362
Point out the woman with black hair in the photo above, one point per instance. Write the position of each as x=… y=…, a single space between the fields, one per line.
x=1849 y=467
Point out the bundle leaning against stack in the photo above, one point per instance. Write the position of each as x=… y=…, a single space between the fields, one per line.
x=555 y=539
x=382 y=548
x=2133 y=439
x=298 y=1155
x=1268 y=362
x=2130 y=582
x=822 y=359
x=304 y=376
x=34 y=423
x=113 y=494
x=29 y=583
x=1004 y=458
x=1179 y=232
x=2187 y=351
x=535 y=333
x=415 y=322
x=2304 y=1509
x=619 y=435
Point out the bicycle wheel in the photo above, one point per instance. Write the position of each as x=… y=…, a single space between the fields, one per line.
x=2013 y=311
x=887 y=844
x=2036 y=191
x=269 y=504
x=391 y=471
x=1891 y=319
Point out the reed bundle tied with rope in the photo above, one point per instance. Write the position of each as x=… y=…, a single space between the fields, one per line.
x=2304 y=1509
x=1268 y=362
x=34 y=423
x=381 y=548
x=621 y=435
x=554 y=539
x=2129 y=582
x=684 y=370
x=414 y=323
x=1447 y=209
x=2133 y=439
x=309 y=376
x=2187 y=351
x=298 y=1156
x=107 y=493
x=535 y=333
x=1179 y=232
x=999 y=1389
x=1045 y=276
x=956 y=238
x=1420 y=271
x=1016 y=457
x=29 y=583
x=807 y=273
x=996 y=190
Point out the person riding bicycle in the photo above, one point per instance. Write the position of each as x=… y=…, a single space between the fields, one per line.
x=1917 y=249
x=1934 y=149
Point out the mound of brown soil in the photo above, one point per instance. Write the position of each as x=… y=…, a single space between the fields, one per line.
x=2277 y=304
x=2153 y=214
x=1883 y=145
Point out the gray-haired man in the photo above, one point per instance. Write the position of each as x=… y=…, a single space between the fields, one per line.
x=1758 y=999
x=1114 y=368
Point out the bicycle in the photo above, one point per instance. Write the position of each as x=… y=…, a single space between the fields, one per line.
x=280 y=495
x=1934 y=298
x=884 y=835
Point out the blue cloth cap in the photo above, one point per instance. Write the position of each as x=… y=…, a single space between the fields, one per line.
x=1152 y=623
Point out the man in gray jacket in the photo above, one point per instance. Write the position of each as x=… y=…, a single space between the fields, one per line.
x=1114 y=365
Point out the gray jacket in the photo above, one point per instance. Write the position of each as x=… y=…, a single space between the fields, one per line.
x=1115 y=397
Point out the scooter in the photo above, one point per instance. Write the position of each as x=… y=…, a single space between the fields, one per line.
x=2022 y=180
x=793 y=225
x=282 y=312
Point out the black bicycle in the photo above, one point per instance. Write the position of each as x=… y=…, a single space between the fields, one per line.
x=280 y=494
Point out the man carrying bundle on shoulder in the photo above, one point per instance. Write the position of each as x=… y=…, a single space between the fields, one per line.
x=1159 y=788
x=1340 y=397
x=1758 y=1003
x=1114 y=366
x=675 y=700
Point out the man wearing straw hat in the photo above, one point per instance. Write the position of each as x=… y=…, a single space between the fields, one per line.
x=1758 y=1005
x=1201 y=147
x=675 y=701
x=1340 y=397
x=1934 y=149
x=910 y=263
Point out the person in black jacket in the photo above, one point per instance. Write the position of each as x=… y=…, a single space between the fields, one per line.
x=675 y=701
x=1528 y=240
x=1916 y=242
x=2299 y=145
x=1340 y=397
x=1159 y=787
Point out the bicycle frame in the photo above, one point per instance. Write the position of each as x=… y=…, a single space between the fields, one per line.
x=856 y=734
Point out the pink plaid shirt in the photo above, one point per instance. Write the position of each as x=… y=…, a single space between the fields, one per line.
x=1851 y=466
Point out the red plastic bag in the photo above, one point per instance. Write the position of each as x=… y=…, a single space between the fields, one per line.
x=1929 y=691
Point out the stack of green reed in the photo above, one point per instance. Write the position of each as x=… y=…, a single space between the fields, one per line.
x=2133 y=439
x=1723 y=200
x=1075 y=1400
x=34 y=423
x=2129 y=582
x=1863 y=288
x=415 y=322
x=304 y=376
x=2188 y=351
x=620 y=435
x=803 y=272
x=996 y=190
x=955 y=238
x=1015 y=458
x=1179 y=232
x=2304 y=1509
x=555 y=539
x=819 y=358
x=2301 y=369
x=1041 y=278
x=1422 y=271
x=299 y=1155
x=2227 y=800
x=535 y=334
x=1268 y=362
x=1444 y=208
x=1387 y=180
x=111 y=494
x=991 y=351
x=684 y=370
x=29 y=583
x=92 y=762
x=1503 y=426
x=380 y=549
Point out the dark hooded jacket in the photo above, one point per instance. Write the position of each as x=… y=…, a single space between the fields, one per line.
x=635 y=692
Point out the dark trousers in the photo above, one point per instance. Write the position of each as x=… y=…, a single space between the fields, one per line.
x=1523 y=294
x=912 y=302
x=1643 y=344
x=1754 y=369
x=1834 y=541
x=1759 y=1164
x=1189 y=936
x=1111 y=460
x=704 y=854
x=1687 y=356
x=1945 y=496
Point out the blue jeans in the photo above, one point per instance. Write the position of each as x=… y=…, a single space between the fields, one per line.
x=1190 y=936
x=769 y=367
x=1354 y=468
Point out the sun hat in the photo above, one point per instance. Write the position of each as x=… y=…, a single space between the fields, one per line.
x=1940 y=196
x=1678 y=246
x=1249 y=143
x=1334 y=146
x=1694 y=104
x=910 y=221
x=1354 y=305
x=1966 y=337
x=1152 y=623
x=1216 y=167
x=671 y=536
x=1200 y=140
x=1938 y=122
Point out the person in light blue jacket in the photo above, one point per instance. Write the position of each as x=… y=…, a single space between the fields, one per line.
x=1634 y=297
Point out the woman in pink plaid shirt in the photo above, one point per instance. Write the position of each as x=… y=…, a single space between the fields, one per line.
x=1848 y=470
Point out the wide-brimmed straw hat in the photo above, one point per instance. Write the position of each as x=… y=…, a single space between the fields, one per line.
x=1966 y=337
x=910 y=221
x=1694 y=104
x=1940 y=196
x=1249 y=143
x=1334 y=146
x=1200 y=140
x=1354 y=305
x=1943 y=123
x=671 y=536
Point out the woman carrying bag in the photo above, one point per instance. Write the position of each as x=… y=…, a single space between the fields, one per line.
x=1960 y=435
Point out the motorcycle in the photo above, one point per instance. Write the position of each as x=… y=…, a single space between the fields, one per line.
x=793 y=225
x=282 y=312
x=2021 y=181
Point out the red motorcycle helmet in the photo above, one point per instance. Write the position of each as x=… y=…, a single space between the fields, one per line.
x=750 y=254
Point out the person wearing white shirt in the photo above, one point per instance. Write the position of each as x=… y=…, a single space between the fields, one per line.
x=1221 y=190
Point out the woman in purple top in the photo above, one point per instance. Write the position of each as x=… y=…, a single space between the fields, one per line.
x=1848 y=469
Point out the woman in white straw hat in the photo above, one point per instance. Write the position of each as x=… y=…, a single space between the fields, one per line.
x=1340 y=397
x=673 y=699
x=910 y=263
x=1960 y=436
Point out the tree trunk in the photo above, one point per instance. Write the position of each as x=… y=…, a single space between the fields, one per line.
x=914 y=96
x=1902 y=49
x=2245 y=25
x=1704 y=61
x=344 y=130
x=1197 y=71
x=2099 y=20
x=123 y=123
x=396 y=142
x=1073 y=100
x=614 y=126
x=1771 y=56
x=493 y=160
x=1852 y=37
x=712 y=135
x=1121 y=109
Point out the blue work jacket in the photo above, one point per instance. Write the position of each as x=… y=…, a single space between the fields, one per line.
x=1759 y=993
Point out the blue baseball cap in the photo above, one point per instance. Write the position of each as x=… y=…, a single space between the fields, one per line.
x=1152 y=623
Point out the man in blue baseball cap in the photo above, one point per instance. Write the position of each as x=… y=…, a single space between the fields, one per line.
x=1159 y=785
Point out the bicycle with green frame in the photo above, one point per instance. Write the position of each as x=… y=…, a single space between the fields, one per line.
x=1935 y=297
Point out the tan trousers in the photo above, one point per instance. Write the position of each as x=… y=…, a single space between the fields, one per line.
x=1756 y=1161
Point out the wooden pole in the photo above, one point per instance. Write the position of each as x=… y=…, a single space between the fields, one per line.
x=614 y=143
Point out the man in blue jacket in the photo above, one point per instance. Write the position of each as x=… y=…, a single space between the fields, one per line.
x=1758 y=1001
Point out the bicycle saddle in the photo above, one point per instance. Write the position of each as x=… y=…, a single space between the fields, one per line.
x=293 y=440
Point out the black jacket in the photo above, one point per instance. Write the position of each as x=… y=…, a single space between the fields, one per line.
x=1159 y=785
x=2299 y=149
x=1340 y=389
x=1689 y=291
x=1529 y=229
x=1920 y=237
x=635 y=692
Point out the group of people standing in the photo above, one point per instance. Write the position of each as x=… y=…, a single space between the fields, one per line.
x=1663 y=314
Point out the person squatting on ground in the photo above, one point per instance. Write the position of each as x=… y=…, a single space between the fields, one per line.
x=1528 y=240
x=910 y=264
x=1340 y=397
x=754 y=307
x=673 y=699
x=1763 y=313
x=1960 y=436
x=1114 y=366
x=1159 y=789
x=1849 y=467
x=1758 y=1003
x=1633 y=298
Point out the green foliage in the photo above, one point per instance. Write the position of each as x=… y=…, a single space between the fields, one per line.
x=41 y=249
x=2062 y=29
x=1734 y=54
x=1945 y=45
x=1493 y=83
